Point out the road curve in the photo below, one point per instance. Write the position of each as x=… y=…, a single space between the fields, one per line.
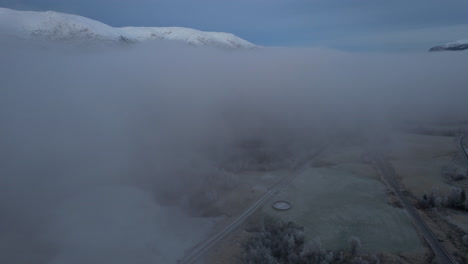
x=200 y=249
x=388 y=176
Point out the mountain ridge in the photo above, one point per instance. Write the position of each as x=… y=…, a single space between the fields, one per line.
x=456 y=45
x=57 y=26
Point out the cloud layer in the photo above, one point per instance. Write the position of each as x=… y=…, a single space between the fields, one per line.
x=111 y=153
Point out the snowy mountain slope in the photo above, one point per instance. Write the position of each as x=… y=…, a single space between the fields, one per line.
x=65 y=27
x=457 y=45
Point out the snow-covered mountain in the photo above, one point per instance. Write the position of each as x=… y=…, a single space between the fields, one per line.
x=457 y=45
x=65 y=27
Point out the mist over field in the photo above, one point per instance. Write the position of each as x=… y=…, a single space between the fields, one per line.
x=108 y=155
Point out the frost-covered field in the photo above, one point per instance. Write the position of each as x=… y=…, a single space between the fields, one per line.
x=335 y=203
x=418 y=160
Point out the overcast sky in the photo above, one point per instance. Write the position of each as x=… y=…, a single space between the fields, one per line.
x=347 y=24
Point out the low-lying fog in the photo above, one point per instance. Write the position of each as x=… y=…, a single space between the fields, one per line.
x=107 y=153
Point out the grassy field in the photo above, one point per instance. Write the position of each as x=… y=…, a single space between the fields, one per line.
x=418 y=160
x=335 y=203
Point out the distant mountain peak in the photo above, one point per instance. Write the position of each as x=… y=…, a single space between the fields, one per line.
x=457 y=45
x=57 y=26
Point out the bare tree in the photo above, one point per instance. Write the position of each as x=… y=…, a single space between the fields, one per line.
x=465 y=240
x=313 y=246
x=456 y=198
x=355 y=243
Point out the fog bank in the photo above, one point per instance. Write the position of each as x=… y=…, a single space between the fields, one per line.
x=108 y=154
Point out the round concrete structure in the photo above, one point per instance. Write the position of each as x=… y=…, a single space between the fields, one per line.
x=282 y=205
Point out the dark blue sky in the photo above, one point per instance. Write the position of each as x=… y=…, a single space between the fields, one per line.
x=347 y=24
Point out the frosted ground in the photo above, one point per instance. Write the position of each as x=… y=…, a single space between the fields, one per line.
x=335 y=203
x=418 y=160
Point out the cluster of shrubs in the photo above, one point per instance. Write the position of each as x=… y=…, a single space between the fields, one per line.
x=454 y=172
x=281 y=243
x=455 y=199
x=257 y=155
x=437 y=132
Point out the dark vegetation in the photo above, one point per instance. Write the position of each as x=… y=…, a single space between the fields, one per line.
x=455 y=199
x=258 y=155
x=285 y=243
x=454 y=172
x=430 y=131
